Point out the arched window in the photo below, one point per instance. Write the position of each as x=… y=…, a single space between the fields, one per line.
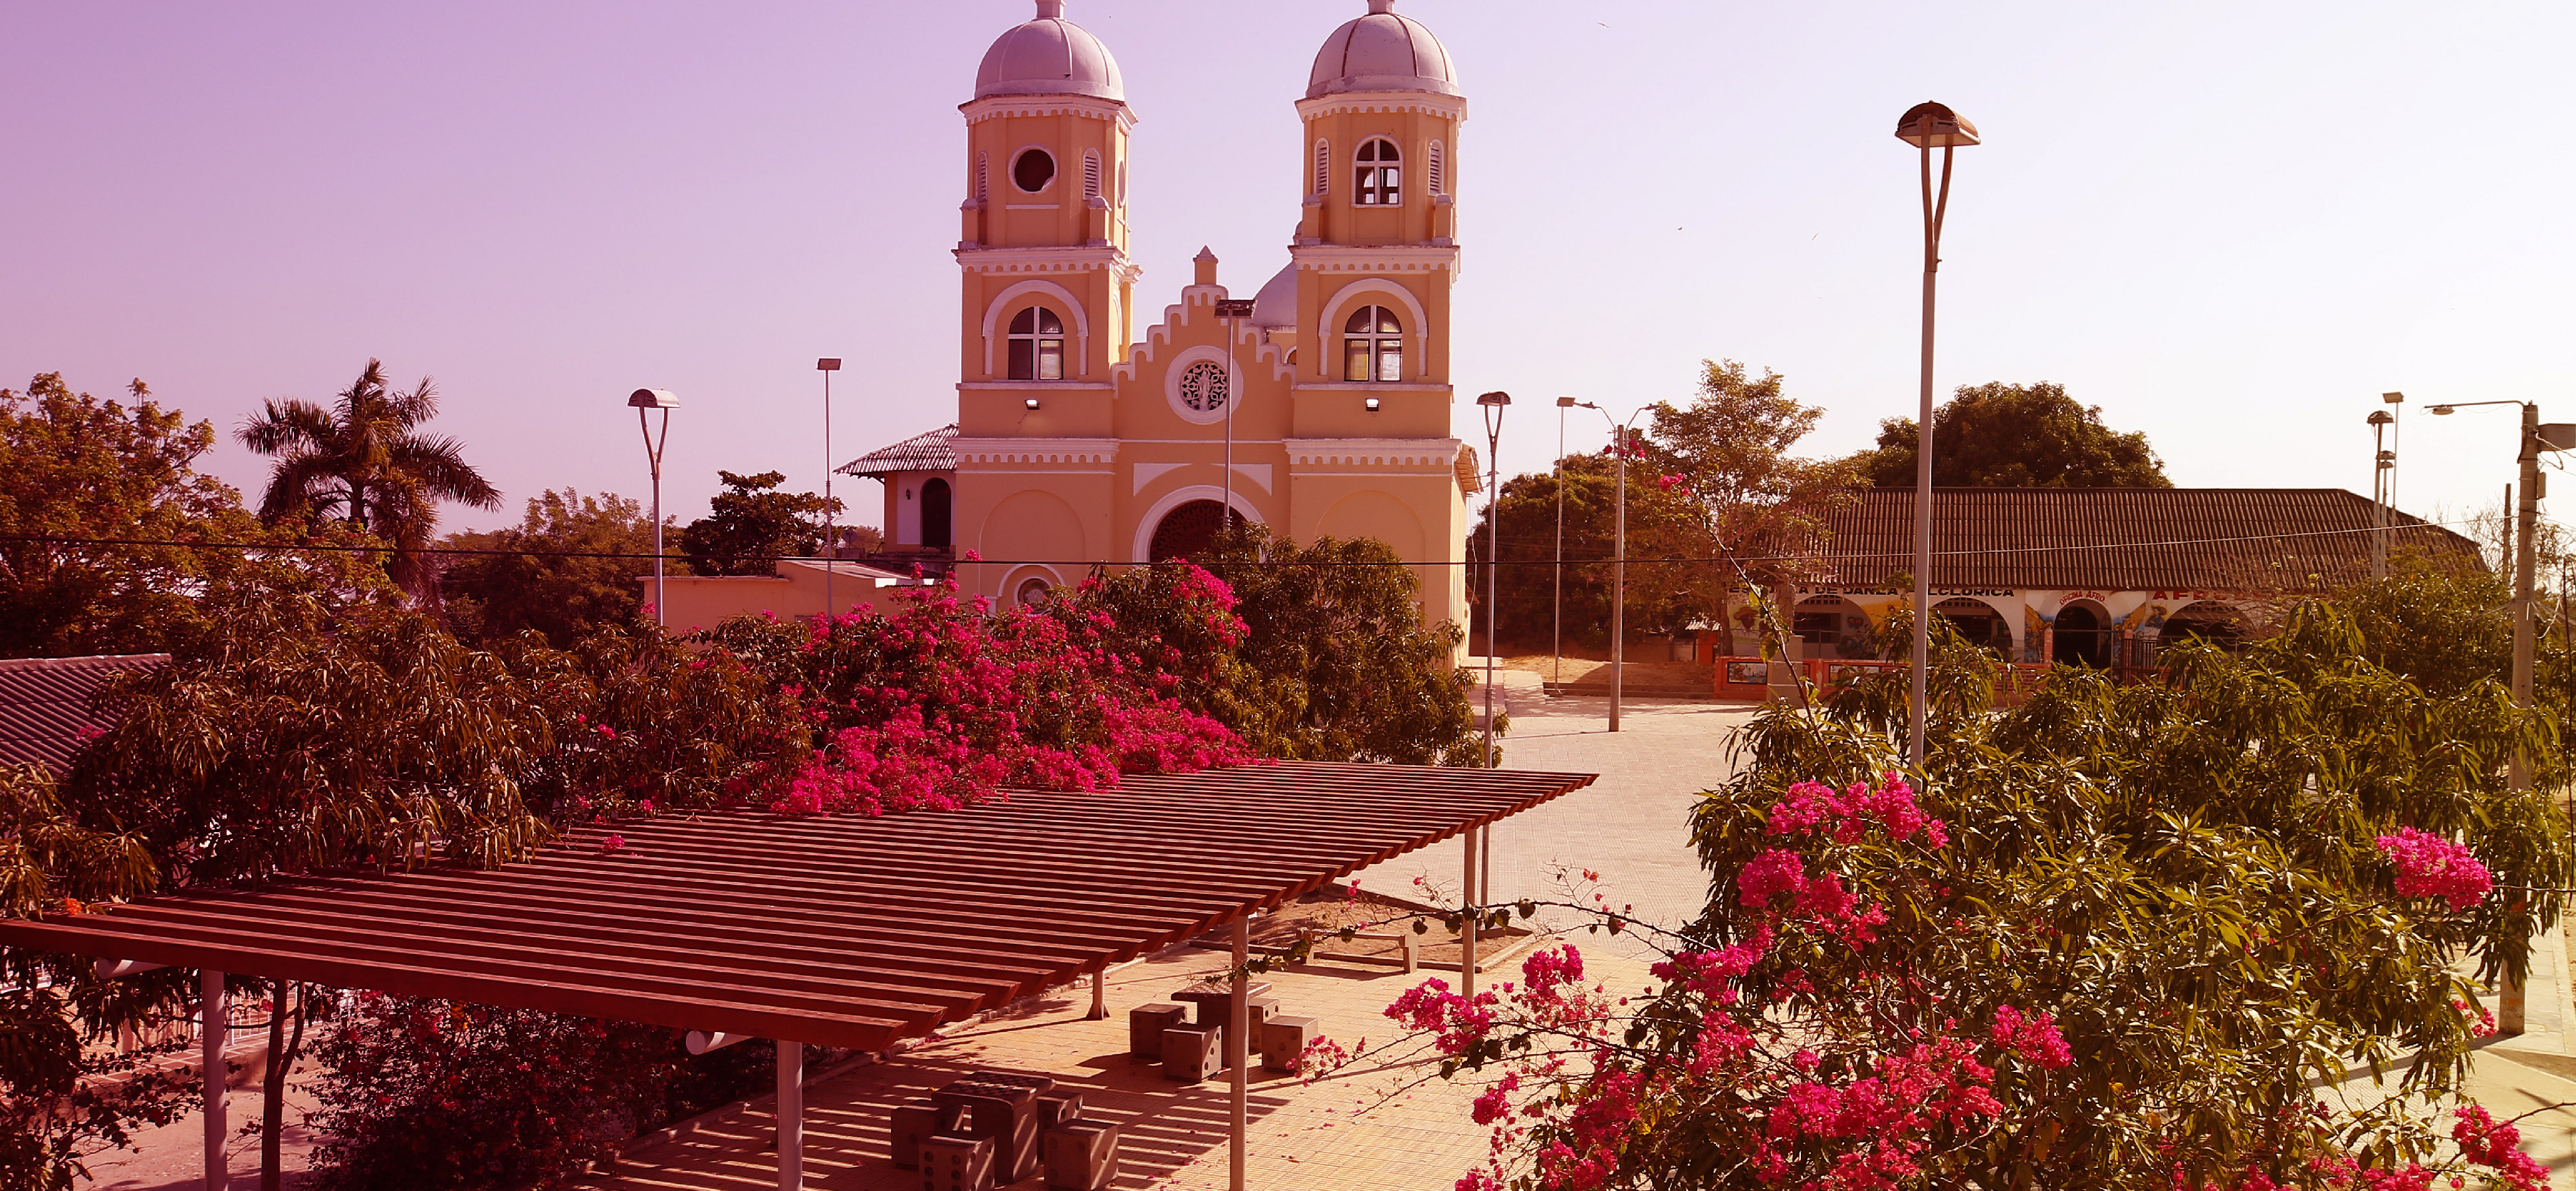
x=935 y=507
x=1037 y=345
x=1381 y=178
x=1372 y=345
x=1033 y=591
x=1323 y=167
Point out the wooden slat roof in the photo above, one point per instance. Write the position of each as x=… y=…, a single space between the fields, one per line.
x=2125 y=539
x=845 y=932
x=45 y=703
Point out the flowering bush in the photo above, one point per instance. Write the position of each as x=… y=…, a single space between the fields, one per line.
x=2121 y=943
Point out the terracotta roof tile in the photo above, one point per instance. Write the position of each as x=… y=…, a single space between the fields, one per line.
x=934 y=450
x=2125 y=539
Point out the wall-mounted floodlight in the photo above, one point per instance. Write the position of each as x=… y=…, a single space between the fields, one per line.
x=1372 y=404
x=1032 y=403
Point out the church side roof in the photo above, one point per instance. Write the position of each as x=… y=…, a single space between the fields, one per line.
x=2125 y=539
x=45 y=713
x=934 y=450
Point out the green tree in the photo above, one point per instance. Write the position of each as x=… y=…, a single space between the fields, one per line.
x=101 y=513
x=568 y=567
x=1997 y=435
x=366 y=461
x=750 y=527
x=1662 y=596
x=1729 y=451
x=1333 y=663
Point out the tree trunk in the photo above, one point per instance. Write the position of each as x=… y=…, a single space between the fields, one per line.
x=1785 y=684
x=282 y=1052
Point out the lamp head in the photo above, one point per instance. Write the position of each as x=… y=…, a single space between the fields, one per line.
x=2441 y=411
x=1935 y=126
x=653 y=399
x=2393 y=398
x=1565 y=403
x=828 y=364
x=1495 y=398
x=1371 y=404
x=2380 y=417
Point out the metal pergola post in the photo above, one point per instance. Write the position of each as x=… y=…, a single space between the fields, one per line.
x=211 y=1010
x=791 y=1115
x=1467 y=935
x=1237 y=1050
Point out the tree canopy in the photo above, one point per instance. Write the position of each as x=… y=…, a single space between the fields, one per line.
x=1998 y=435
x=551 y=576
x=751 y=525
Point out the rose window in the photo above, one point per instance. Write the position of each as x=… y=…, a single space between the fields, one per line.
x=1203 y=386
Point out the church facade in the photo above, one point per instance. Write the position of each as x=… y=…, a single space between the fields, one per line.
x=1090 y=433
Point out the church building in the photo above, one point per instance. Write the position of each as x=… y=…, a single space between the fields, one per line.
x=1089 y=434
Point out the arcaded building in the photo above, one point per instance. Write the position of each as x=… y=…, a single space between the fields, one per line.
x=1088 y=432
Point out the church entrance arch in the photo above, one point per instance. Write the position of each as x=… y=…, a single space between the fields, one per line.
x=1190 y=529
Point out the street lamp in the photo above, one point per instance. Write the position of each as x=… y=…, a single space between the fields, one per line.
x=1620 y=432
x=2383 y=482
x=2536 y=437
x=664 y=400
x=1927 y=126
x=1492 y=404
x=1562 y=404
x=831 y=534
x=1234 y=311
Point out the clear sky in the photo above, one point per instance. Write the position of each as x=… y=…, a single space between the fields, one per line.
x=2232 y=226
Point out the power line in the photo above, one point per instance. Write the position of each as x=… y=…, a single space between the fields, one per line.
x=470 y=551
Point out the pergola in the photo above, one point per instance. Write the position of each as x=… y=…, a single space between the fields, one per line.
x=846 y=932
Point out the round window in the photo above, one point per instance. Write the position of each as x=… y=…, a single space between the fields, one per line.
x=1033 y=592
x=1203 y=386
x=1033 y=170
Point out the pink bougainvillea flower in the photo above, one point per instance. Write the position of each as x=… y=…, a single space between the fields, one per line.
x=2431 y=866
x=612 y=844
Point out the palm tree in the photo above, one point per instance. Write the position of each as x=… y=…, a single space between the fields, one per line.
x=366 y=461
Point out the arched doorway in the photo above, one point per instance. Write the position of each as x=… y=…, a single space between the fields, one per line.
x=2083 y=637
x=1188 y=531
x=936 y=504
x=1977 y=621
x=1833 y=627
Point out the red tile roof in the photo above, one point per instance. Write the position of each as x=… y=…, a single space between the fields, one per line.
x=2125 y=539
x=45 y=703
x=934 y=450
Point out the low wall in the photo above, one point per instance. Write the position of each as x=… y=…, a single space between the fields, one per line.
x=1747 y=678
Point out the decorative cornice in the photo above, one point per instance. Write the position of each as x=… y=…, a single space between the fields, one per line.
x=1037 y=450
x=1437 y=453
x=1374 y=258
x=994 y=107
x=1429 y=103
x=1050 y=259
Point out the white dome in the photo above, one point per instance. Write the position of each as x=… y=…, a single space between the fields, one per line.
x=1276 y=305
x=1049 y=56
x=1382 y=52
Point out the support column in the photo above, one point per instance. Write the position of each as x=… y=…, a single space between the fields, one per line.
x=791 y=1115
x=211 y=1009
x=1100 y=994
x=1238 y=1048
x=1467 y=932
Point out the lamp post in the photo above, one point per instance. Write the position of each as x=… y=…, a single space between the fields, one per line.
x=1620 y=432
x=1558 y=603
x=1927 y=126
x=2383 y=482
x=2555 y=436
x=1493 y=404
x=1233 y=311
x=642 y=400
x=831 y=533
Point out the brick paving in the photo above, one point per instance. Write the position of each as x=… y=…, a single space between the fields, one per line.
x=1303 y=1136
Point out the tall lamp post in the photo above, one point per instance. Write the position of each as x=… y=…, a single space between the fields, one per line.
x=642 y=400
x=831 y=532
x=1927 y=126
x=1493 y=404
x=2383 y=481
x=1233 y=311
x=2555 y=436
x=1620 y=432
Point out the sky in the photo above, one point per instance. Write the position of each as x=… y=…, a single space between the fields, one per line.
x=2230 y=226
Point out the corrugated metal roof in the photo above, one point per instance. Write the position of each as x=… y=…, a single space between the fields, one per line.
x=934 y=450
x=45 y=703
x=843 y=932
x=2125 y=539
